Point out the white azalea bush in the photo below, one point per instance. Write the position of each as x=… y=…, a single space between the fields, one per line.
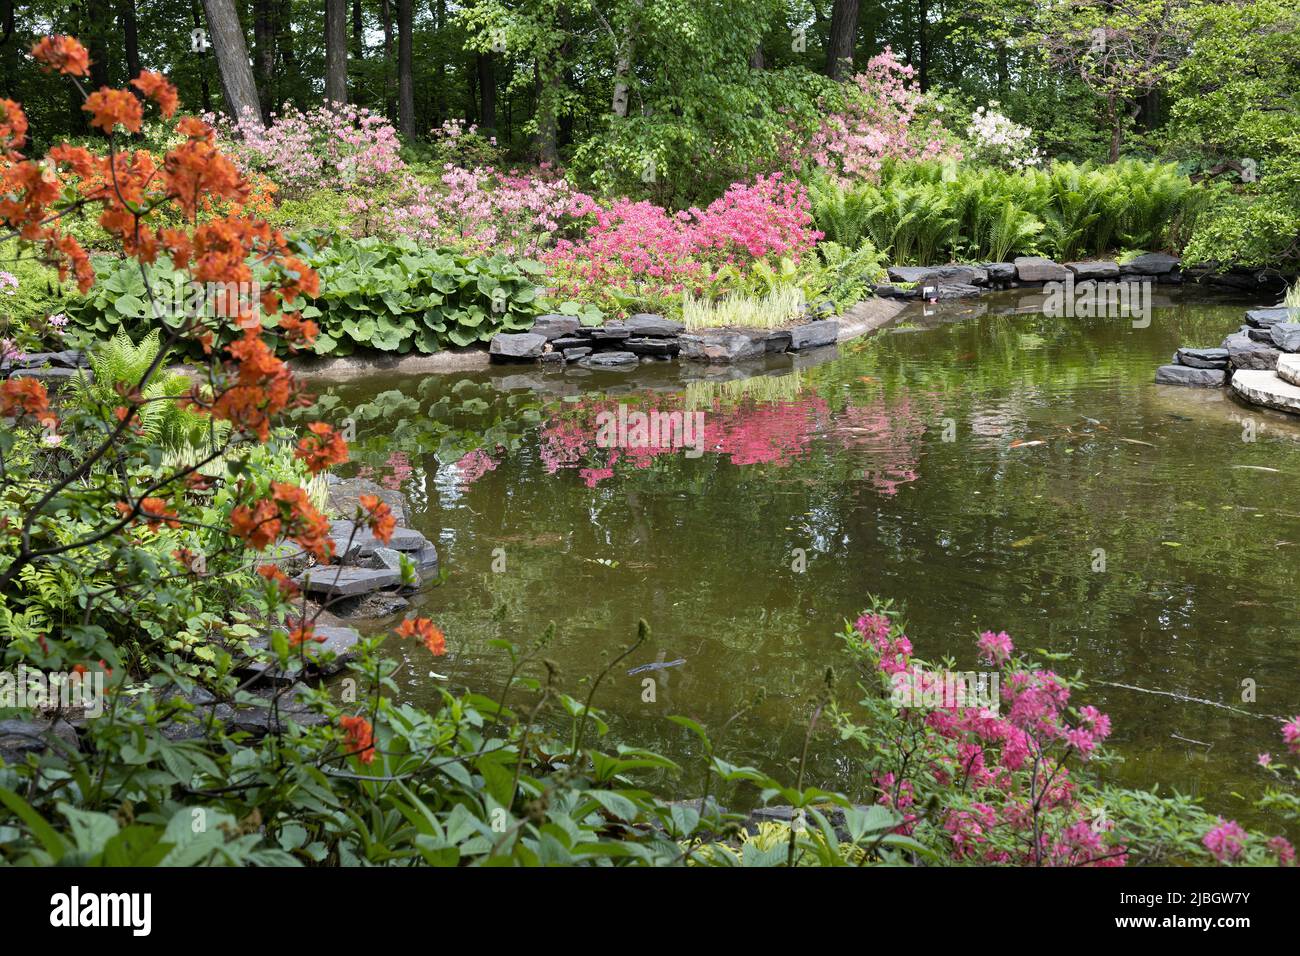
x=999 y=141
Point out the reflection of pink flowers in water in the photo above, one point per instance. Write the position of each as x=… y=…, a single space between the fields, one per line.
x=475 y=465
x=396 y=470
x=886 y=436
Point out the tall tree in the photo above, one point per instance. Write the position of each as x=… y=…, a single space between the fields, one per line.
x=130 y=36
x=843 y=38
x=336 y=51
x=227 y=38
x=264 y=43
x=487 y=93
x=405 y=79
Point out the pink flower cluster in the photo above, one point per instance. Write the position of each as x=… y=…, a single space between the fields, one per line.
x=481 y=210
x=1027 y=809
x=645 y=250
x=336 y=147
x=879 y=122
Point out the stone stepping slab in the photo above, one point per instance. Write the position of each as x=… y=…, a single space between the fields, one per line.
x=332 y=580
x=1265 y=388
x=339 y=641
x=1186 y=375
x=1202 y=358
x=1288 y=369
x=352 y=540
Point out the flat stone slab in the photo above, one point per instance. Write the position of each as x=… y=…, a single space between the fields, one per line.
x=1185 y=375
x=1094 y=269
x=1243 y=352
x=938 y=275
x=721 y=345
x=651 y=345
x=1286 y=336
x=649 y=324
x=1201 y=358
x=1265 y=388
x=610 y=331
x=1001 y=271
x=1263 y=318
x=361 y=542
x=344 y=498
x=1288 y=368
x=19 y=737
x=1039 y=269
x=554 y=326
x=1150 y=264
x=516 y=346
x=577 y=352
x=812 y=335
x=68 y=358
x=337 y=581
x=609 y=360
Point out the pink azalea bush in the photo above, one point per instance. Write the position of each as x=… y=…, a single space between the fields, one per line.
x=643 y=252
x=480 y=210
x=334 y=148
x=1002 y=784
x=880 y=120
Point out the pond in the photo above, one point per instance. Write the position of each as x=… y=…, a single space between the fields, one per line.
x=981 y=464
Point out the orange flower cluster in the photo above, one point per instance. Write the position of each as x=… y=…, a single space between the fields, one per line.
x=303 y=631
x=429 y=634
x=62 y=54
x=262 y=387
x=157 y=88
x=13 y=129
x=287 y=513
x=108 y=108
x=287 y=586
x=25 y=396
x=377 y=516
x=153 y=510
x=360 y=737
x=321 y=449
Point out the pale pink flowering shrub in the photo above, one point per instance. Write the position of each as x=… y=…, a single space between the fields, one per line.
x=880 y=121
x=479 y=210
x=337 y=147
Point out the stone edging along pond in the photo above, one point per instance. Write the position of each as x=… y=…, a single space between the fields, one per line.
x=561 y=340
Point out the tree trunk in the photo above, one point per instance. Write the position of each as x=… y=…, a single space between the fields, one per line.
x=386 y=17
x=336 y=52
x=756 y=59
x=1113 y=117
x=205 y=94
x=923 y=68
x=487 y=93
x=843 y=38
x=130 y=37
x=264 y=39
x=405 y=79
x=227 y=39
x=8 y=51
x=358 y=32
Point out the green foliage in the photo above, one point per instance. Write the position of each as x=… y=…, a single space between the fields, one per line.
x=398 y=296
x=392 y=296
x=928 y=212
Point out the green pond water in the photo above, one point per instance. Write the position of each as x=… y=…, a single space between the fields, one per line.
x=892 y=464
